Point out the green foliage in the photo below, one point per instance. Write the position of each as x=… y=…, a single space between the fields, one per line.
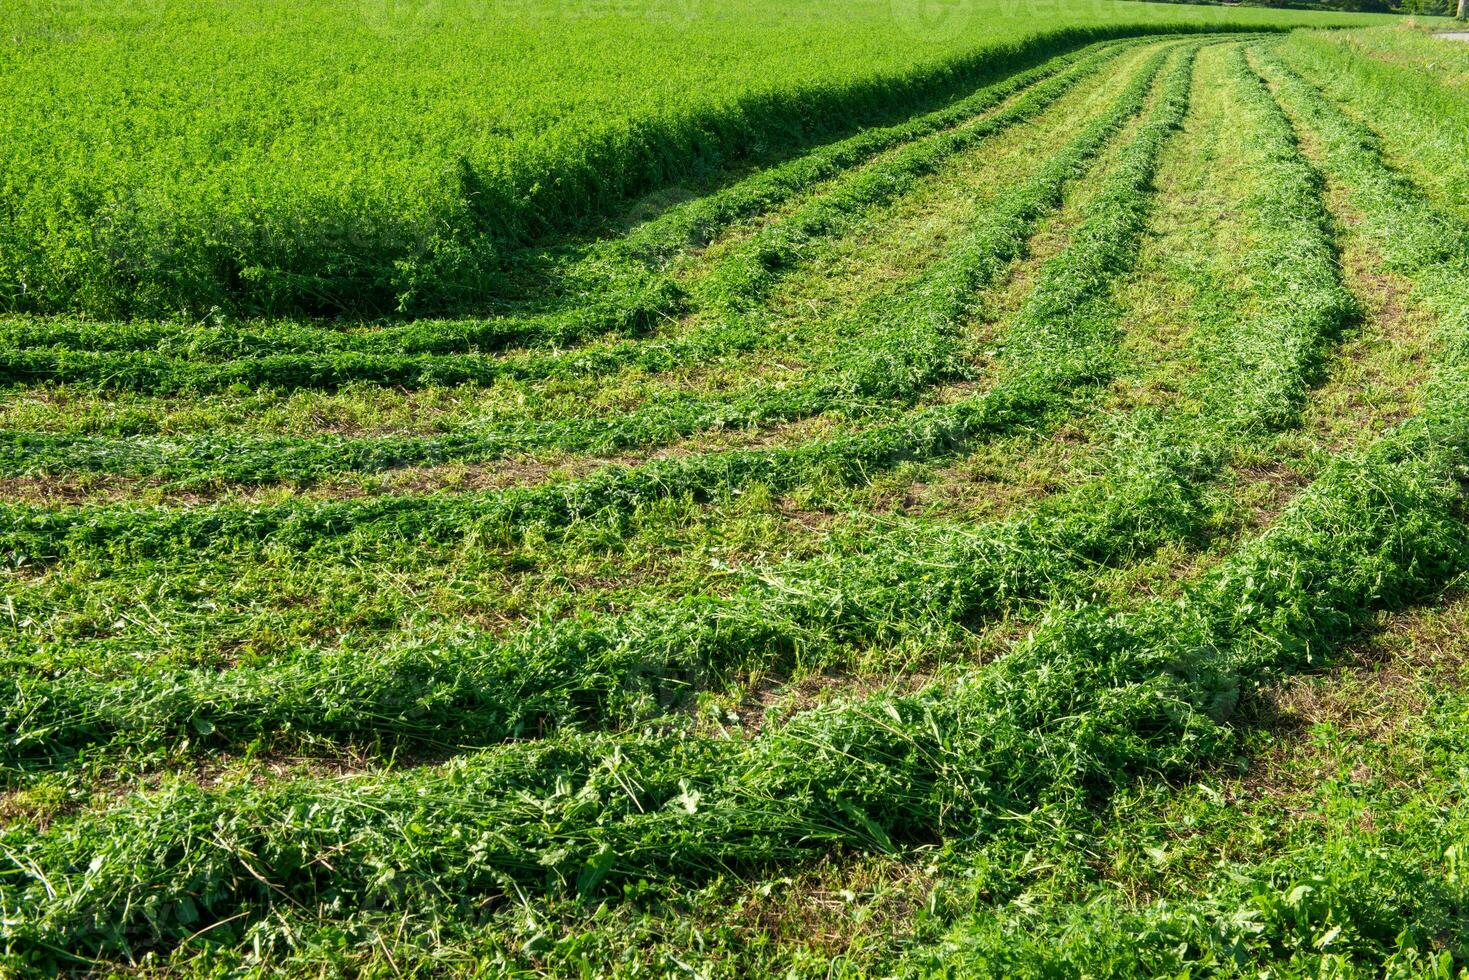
x=893 y=348
x=1093 y=700
x=267 y=160
x=1407 y=85
x=1028 y=713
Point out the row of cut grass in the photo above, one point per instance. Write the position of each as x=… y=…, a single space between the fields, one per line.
x=623 y=668
x=1295 y=261
x=614 y=670
x=1407 y=87
x=1117 y=216
x=1093 y=700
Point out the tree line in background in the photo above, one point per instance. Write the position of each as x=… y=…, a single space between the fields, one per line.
x=1427 y=8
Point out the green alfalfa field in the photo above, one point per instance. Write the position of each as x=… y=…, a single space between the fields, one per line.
x=663 y=488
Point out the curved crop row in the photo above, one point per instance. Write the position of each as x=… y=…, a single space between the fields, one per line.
x=1416 y=239
x=699 y=222
x=629 y=301
x=1407 y=88
x=1094 y=700
x=1296 y=265
x=1413 y=236
x=742 y=278
x=610 y=670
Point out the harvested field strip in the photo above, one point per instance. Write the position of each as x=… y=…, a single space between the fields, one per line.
x=750 y=615
x=872 y=368
x=865 y=776
x=1412 y=101
x=613 y=670
x=1041 y=366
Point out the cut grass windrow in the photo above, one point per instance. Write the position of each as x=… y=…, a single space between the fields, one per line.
x=1405 y=85
x=609 y=671
x=1294 y=263
x=1044 y=365
x=114 y=356
x=1415 y=239
x=46 y=717
x=700 y=222
x=617 y=670
x=1412 y=236
x=1093 y=701
x=741 y=279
